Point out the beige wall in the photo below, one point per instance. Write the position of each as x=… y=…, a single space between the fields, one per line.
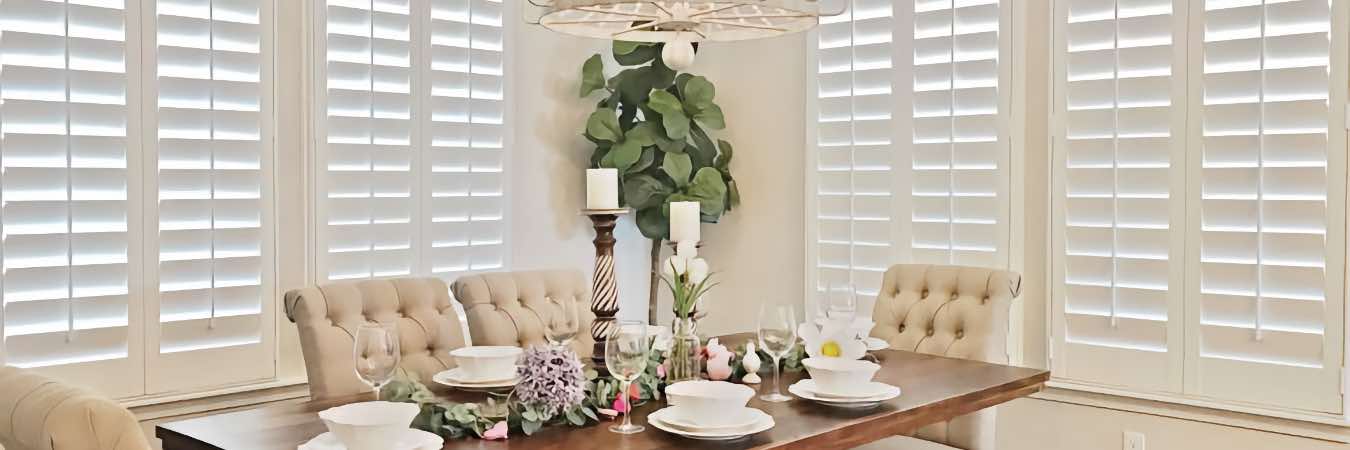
x=757 y=250
x=1032 y=424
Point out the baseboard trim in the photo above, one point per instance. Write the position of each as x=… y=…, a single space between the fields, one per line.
x=219 y=400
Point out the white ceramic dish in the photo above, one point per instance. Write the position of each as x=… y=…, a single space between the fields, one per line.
x=763 y=422
x=449 y=378
x=843 y=377
x=727 y=421
x=807 y=389
x=486 y=362
x=457 y=375
x=704 y=402
x=411 y=439
x=369 y=425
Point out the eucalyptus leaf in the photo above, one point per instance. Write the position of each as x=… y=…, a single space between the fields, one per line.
x=682 y=80
x=710 y=191
x=678 y=167
x=626 y=153
x=672 y=114
x=604 y=125
x=634 y=53
x=589 y=413
x=698 y=93
x=703 y=152
x=711 y=117
x=592 y=75
x=645 y=191
x=653 y=225
x=724 y=154
x=530 y=426
x=575 y=417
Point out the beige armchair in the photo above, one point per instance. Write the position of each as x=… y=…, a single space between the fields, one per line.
x=958 y=312
x=43 y=414
x=515 y=308
x=328 y=316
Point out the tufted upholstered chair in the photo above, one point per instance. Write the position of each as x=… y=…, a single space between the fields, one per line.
x=513 y=308
x=42 y=414
x=953 y=311
x=328 y=315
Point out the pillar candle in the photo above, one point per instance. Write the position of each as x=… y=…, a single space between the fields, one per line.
x=602 y=189
x=684 y=221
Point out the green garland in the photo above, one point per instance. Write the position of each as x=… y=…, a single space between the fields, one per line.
x=453 y=420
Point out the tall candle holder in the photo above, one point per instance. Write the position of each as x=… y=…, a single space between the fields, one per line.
x=604 y=291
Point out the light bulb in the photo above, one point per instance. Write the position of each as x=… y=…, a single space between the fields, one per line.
x=678 y=54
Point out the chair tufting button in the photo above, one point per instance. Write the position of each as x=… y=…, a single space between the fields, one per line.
x=955 y=296
x=902 y=328
x=923 y=294
x=960 y=334
x=930 y=332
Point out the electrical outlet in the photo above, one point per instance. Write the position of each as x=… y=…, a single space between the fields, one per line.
x=1134 y=440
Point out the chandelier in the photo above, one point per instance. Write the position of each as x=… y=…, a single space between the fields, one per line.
x=680 y=23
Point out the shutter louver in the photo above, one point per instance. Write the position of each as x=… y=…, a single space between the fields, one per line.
x=958 y=192
x=215 y=292
x=1266 y=272
x=366 y=174
x=66 y=164
x=465 y=141
x=854 y=148
x=1118 y=296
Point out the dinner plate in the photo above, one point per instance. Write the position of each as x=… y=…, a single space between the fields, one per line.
x=413 y=439
x=457 y=375
x=762 y=423
x=742 y=418
x=446 y=378
x=807 y=389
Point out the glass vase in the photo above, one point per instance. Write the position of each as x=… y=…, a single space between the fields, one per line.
x=686 y=353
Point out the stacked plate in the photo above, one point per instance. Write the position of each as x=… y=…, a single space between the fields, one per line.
x=481 y=368
x=710 y=411
x=868 y=396
x=372 y=426
x=456 y=378
x=843 y=383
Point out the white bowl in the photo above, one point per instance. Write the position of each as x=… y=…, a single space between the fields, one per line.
x=840 y=376
x=369 y=425
x=487 y=363
x=703 y=402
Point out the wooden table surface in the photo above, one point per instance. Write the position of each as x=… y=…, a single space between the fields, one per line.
x=934 y=389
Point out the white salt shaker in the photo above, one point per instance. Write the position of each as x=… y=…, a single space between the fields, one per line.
x=751 y=364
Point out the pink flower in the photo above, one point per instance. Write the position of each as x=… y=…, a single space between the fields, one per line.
x=634 y=391
x=497 y=431
x=661 y=371
x=620 y=405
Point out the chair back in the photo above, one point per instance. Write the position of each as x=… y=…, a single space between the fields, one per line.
x=952 y=311
x=43 y=414
x=515 y=308
x=327 y=317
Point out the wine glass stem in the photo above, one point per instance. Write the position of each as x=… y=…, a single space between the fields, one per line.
x=777 y=375
x=377 y=392
x=627 y=401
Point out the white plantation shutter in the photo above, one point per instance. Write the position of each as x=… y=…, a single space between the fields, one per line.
x=464 y=138
x=1200 y=189
x=906 y=100
x=68 y=161
x=366 y=177
x=1270 y=188
x=959 y=158
x=214 y=185
x=413 y=152
x=854 y=154
x=1116 y=215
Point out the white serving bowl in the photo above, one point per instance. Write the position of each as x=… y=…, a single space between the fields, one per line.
x=487 y=363
x=840 y=376
x=703 y=402
x=369 y=425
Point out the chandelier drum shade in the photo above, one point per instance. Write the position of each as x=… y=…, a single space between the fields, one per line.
x=684 y=21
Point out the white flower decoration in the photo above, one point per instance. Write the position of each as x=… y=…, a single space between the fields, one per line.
x=675 y=265
x=698 y=270
x=832 y=340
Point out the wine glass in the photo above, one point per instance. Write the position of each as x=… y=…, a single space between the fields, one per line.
x=777 y=337
x=377 y=354
x=839 y=303
x=566 y=322
x=626 y=359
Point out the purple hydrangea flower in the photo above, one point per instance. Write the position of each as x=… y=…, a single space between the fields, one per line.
x=551 y=379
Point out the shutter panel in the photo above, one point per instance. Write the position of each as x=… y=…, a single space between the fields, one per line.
x=958 y=189
x=853 y=148
x=67 y=159
x=1117 y=156
x=215 y=310
x=366 y=181
x=1269 y=242
x=464 y=138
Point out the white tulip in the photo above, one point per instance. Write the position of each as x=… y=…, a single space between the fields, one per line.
x=675 y=266
x=698 y=270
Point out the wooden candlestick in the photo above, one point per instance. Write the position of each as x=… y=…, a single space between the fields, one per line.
x=604 y=291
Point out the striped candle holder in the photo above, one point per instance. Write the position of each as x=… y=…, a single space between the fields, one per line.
x=604 y=291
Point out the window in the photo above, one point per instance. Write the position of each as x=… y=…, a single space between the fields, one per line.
x=412 y=152
x=1200 y=191
x=910 y=156
x=136 y=235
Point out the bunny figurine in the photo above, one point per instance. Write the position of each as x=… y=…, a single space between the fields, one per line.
x=751 y=364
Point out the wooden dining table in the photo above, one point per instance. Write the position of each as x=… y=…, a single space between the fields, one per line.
x=933 y=389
